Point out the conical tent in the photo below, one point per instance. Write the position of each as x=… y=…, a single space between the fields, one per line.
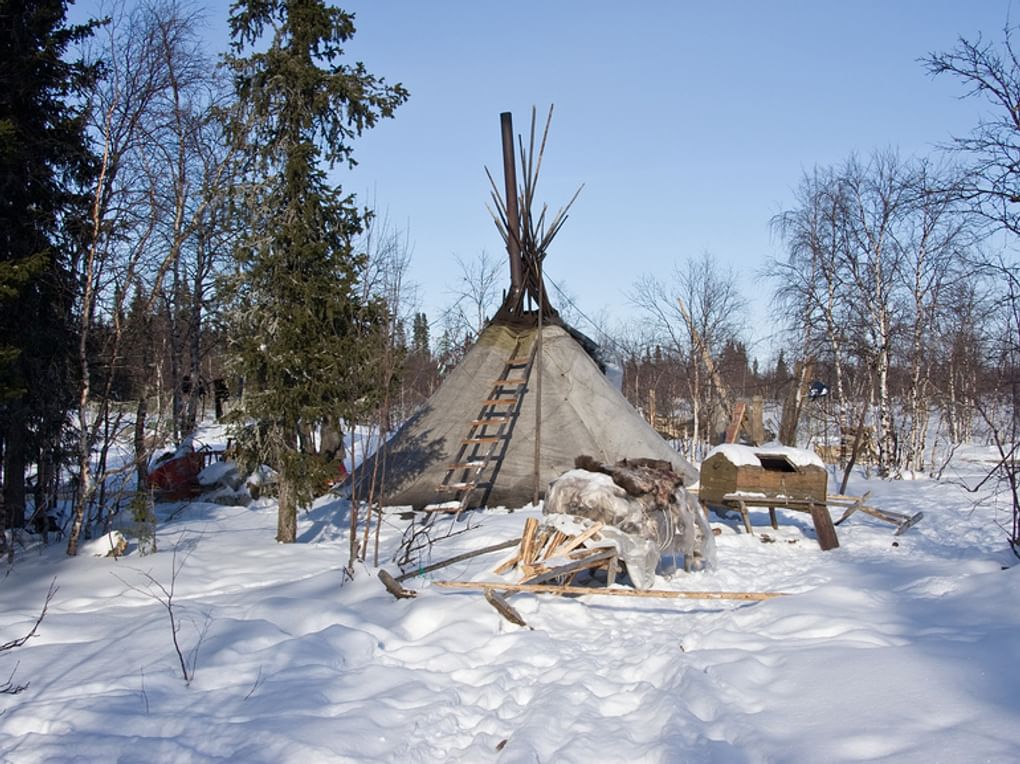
x=525 y=400
x=581 y=413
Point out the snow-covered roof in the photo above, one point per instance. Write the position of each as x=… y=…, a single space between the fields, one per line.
x=747 y=456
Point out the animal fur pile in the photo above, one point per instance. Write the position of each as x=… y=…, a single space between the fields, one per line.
x=647 y=511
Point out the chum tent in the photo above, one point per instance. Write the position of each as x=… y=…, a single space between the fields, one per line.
x=525 y=400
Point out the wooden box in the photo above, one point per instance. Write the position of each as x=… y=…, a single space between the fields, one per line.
x=772 y=472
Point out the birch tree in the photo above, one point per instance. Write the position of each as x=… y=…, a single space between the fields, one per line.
x=696 y=313
x=936 y=237
x=148 y=117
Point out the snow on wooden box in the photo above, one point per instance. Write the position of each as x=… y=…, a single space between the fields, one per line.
x=773 y=471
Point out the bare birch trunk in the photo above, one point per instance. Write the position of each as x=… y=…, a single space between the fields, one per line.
x=885 y=434
x=793 y=403
x=86 y=486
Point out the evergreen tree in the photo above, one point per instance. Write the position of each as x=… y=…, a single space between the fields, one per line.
x=44 y=166
x=782 y=371
x=297 y=319
x=420 y=335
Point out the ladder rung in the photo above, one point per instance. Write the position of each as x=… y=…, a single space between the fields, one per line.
x=466 y=465
x=455 y=486
x=518 y=361
x=500 y=401
x=491 y=421
x=508 y=382
x=486 y=439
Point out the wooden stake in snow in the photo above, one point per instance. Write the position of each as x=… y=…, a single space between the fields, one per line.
x=504 y=608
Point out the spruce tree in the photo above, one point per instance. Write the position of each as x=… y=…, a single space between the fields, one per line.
x=45 y=165
x=420 y=335
x=296 y=315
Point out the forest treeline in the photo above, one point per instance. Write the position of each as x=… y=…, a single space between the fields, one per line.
x=175 y=244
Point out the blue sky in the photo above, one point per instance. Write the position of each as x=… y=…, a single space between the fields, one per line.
x=690 y=124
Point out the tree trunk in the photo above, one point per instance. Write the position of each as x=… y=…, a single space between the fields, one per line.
x=331 y=440
x=286 y=522
x=306 y=438
x=885 y=435
x=141 y=452
x=45 y=491
x=14 y=470
x=792 y=404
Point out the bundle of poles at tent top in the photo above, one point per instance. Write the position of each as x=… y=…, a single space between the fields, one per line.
x=527 y=237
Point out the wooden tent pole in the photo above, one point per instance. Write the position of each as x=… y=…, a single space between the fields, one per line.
x=513 y=222
x=538 y=391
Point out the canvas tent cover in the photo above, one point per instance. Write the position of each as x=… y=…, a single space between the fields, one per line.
x=581 y=413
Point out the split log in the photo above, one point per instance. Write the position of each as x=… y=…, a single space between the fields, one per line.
x=580 y=538
x=528 y=540
x=597 y=559
x=579 y=590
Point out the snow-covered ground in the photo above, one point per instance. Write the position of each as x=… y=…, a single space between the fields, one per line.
x=887 y=649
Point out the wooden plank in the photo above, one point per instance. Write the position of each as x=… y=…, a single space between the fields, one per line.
x=557 y=538
x=548 y=534
x=742 y=508
x=447 y=506
x=487 y=439
x=459 y=558
x=529 y=563
x=596 y=560
x=491 y=421
x=509 y=382
x=455 y=486
x=844 y=497
x=500 y=401
x=528 y=540
x=507 y=564
x=613 y=569
x=824 y=530
x=909 y=523
x=901 y=521
x=849 y=511
x=467 y=465
x=580 y=590
x=541 y=539
x=581 y=538
x=736 y=422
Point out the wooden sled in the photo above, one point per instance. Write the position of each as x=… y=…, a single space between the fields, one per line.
x=902 y=521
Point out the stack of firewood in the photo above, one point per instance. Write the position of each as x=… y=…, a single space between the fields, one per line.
x=547 y=554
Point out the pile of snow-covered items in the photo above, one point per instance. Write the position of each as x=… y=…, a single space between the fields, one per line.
x=646 y=512
x=188 y=473
x=223 y=483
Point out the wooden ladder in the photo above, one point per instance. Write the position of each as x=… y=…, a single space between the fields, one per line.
x=482 y=450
